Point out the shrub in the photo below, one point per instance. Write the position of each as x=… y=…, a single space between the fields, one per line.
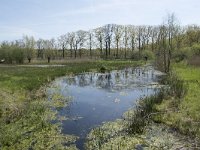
x=196 y=49
x=135 y=55
x=182 y=54
x=18 y=55
x=147 y=53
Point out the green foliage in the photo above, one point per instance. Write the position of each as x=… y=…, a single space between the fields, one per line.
x=12 y=54
x=196 y=49
x=18 y=55
x=182 y=54
x=135 y=55
x=102 y=69
x=7 y=54
x=149 y=54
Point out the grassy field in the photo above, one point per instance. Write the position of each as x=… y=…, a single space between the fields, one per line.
x=184 y=113
x=25 y=114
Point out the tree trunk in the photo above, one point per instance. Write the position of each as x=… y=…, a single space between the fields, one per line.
x=29 y=60
x=106 y=49
x=117 y=49
x=139 y=40
x=63 y=52
x=49 y=59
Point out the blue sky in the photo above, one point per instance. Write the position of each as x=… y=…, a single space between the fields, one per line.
x=51 y=18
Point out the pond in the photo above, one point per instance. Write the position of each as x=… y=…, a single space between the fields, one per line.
x=101 y=97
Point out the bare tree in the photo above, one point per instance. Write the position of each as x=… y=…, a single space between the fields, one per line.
x=139 y=37
x=154 y=36
x=108 y=32
x=172 y=25
x=81 y=38
x=118 y=31
x=70 y=39
x=126 y=38
x=63 y=41
x=162 y=56
x=132 y=37
x=99 y=34
x=90 y=37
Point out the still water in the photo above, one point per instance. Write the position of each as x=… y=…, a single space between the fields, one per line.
x=101 y=97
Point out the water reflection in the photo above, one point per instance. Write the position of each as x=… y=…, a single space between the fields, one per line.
x=99 y=97
x=116 y=80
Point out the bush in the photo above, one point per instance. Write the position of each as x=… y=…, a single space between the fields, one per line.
x=18 y=55
x=182 y=54
x=135 y=55
x=147 y=53
x=144 y=53
x=7 y=54
x=11 y=54
x=196 y=49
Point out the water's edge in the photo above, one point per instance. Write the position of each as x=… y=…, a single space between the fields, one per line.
x=99 y=98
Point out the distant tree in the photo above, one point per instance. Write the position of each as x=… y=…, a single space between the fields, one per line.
x=6 y=52
x=71 y=41
x=162 y=55
x=29 y=43
x=90 y=39
x=139 y=38
x=172 y=27
x=108 y=32
x=49 y=47
x=39 y=45
x=126 y=38
x=99 y=34
x=118 y=31
x=63 y=41
x=154 y=37
x=80 y=38
x=132 y=37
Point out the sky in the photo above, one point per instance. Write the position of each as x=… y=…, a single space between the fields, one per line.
x=52 y=18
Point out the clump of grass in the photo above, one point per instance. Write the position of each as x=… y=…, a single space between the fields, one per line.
x=102 y=69
x=181 y=110
x=178 y=87
x=142 y=113
x=145 y=108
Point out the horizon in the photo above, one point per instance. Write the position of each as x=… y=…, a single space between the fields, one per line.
x=50 y=20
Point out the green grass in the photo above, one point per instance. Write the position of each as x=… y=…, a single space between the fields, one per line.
x=25 y=116
x=29 y=78
x=184 y=113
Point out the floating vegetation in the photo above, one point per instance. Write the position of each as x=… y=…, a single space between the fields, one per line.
x=123 y=93
x=137 y=129
x=113 y=136
x=117 y=100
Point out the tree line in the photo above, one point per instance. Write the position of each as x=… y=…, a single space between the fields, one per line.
x=109 y=41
